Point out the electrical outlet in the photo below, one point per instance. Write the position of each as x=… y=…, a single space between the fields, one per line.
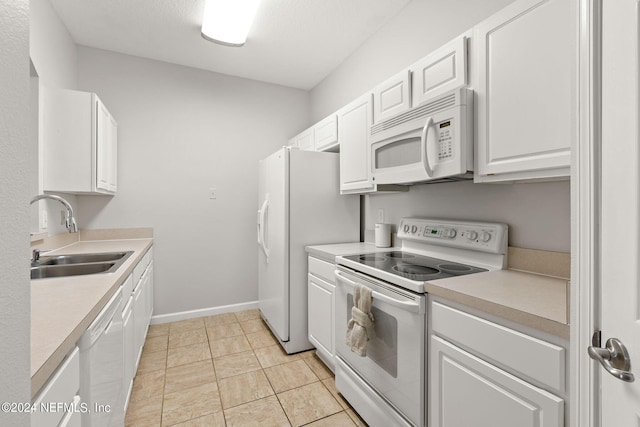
x=380 y=215
x=45 y=220
x=213 y=193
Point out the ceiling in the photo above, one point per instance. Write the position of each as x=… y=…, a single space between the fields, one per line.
x=294 y=43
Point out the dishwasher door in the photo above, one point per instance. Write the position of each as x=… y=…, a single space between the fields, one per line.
x=102 y=367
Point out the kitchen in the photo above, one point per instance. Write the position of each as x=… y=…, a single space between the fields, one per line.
x=162 y=108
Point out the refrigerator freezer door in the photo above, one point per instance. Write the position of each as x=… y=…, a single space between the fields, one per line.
x=273 y=253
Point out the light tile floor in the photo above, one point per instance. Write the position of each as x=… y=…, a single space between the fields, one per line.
x=228 y=370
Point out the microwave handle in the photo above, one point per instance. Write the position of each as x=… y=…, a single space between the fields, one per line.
x=425 y=158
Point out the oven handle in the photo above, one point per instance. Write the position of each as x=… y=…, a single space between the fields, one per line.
x=409 y=306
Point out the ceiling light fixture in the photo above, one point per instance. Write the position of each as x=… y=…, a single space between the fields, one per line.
x=227 y=22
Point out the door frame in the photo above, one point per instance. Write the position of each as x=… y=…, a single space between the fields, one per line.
x=585 y=216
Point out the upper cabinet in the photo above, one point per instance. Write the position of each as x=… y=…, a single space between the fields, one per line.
x=354 y=124
x=392 y=97
x=524 y=73
x=80 y=144
x=442 y=70
x=323 y=136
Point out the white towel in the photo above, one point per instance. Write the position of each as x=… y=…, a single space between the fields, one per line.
x=360 y=326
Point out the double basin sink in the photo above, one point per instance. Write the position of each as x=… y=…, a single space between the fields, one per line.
x=77 y=264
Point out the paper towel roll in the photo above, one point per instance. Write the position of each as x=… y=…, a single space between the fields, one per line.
x=383 y=235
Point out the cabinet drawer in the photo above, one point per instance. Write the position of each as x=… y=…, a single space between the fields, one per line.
x=322 y=269
x=139 y=269
x=127 y=289
x=529 y=356
x=392 y=97
x=61 y=388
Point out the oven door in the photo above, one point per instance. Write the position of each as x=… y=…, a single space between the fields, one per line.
x=394 y=365
x=423 y=149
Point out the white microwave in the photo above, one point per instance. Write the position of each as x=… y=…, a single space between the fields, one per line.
x=430 y=142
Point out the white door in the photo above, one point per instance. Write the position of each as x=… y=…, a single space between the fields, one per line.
x=620 y=233
x=273 y=237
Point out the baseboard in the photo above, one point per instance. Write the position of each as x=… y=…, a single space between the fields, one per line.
x=192 y=314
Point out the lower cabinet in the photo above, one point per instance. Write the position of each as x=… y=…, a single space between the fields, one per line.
x=484 y=374
x=58 y=403
x=321 y=295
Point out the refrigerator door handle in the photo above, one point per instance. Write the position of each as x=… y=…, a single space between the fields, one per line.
x=262 y=215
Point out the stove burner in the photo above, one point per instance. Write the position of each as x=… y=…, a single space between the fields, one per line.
x=371 y=258
x=414 y=272
x=399 y=254
x=455 y=267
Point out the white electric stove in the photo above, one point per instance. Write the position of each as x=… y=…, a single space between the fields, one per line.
x=387 y=386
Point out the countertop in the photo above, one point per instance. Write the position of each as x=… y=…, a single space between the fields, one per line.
x=535 y=300
x=63 y=308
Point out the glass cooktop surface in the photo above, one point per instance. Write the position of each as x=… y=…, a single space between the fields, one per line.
x=413 y=266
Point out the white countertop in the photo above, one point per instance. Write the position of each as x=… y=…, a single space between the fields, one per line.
x=62 y=308
x=330 y=252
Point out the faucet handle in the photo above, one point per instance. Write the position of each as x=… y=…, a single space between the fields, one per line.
x=35 y=255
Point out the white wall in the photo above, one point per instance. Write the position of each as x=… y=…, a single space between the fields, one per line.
x=54 y=56
x=538 y=214
x=182 y=131
x=15 y=311
x=419 y=28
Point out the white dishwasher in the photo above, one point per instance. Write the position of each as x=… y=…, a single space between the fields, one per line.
x=102 y=367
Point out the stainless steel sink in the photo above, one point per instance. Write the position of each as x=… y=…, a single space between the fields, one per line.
x=44 y=271
x=78 y=264
x=83 y=258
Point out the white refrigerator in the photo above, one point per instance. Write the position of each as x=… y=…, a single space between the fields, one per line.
x=299 y=205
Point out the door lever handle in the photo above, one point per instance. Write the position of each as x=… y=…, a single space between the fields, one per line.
x=614 y=358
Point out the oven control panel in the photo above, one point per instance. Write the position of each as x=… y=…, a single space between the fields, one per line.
x=478 y=236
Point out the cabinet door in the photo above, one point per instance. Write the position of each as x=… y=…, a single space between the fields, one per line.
x=304 y=140
x=467 y=391
x=325 y=133
x=106 y=137
x=354 y=124
x=524 y=71
x=321 y=306
x=392 y=97
x=130 y=350
x=443 y=70
x=139 y=316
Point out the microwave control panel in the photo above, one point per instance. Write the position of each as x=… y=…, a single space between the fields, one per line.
x=484 y=237
x=444 y=131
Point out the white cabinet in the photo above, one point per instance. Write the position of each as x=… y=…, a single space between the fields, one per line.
x=524 y=73
x=392 y=96
x=136 y=316
x=354 y=124
x=303 y=140
x=472 y=392
x=80 y=144
x=321 y=300
x=500 y=376
x=442 y=70
x=58 y=403
x=130 y=352
x=325 y=134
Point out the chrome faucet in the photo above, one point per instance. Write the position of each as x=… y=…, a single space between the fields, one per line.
x=70 y=220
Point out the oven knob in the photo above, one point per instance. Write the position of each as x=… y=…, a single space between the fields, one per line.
x=472 y=235
x=450 y=233
x=414 y=229
x=405 y=228
x=485 y=237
